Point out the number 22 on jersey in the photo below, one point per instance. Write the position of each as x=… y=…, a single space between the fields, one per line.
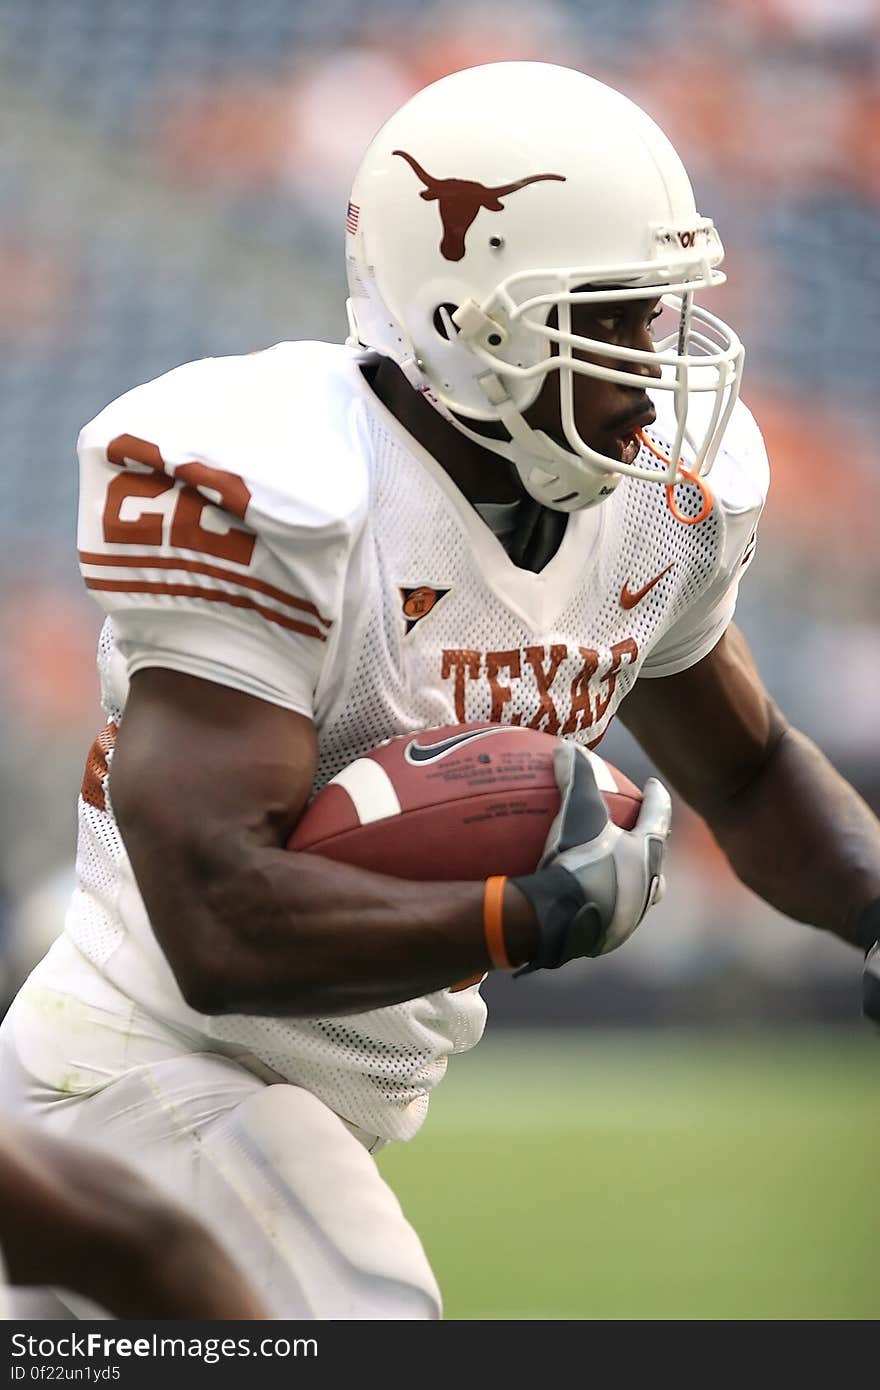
x=187 y=531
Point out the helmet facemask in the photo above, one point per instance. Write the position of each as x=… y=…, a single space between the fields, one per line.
x=699 y=356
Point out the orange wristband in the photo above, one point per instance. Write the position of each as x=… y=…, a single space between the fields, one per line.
x=493 y=922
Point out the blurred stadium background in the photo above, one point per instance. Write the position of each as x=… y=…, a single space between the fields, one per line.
x=174 y=178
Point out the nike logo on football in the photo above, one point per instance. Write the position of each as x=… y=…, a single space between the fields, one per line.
x=431 y=752
x=630 y=597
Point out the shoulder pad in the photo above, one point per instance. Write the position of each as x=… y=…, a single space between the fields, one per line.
x=281 y=419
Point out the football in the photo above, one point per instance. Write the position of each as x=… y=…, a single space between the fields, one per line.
x=459 y=802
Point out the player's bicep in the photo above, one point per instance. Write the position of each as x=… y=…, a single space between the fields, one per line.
x=710 y=728
x=202 y=781
x=195 y=759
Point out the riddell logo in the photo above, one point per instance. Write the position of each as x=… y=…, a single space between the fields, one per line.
x=417 y=603
x=460 y=200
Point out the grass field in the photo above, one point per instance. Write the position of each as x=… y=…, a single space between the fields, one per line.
x=625 y=1176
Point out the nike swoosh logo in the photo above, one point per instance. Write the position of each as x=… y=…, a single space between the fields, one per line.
x=432 y=752
x=629 y=597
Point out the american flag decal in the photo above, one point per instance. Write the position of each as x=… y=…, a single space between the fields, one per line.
x=750 y=548
x=352 y=218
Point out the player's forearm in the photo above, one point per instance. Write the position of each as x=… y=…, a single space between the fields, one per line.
x=72 y=1218
x=803 y=839
x=299 y=935
x=137 y=1264
x=173 y=1269
x=57 y=1225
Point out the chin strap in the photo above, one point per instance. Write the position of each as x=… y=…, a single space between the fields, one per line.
x=538 y=472
x=548 y=472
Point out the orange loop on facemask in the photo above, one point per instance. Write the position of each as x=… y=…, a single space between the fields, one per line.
x=708 y=499
x=688 y=477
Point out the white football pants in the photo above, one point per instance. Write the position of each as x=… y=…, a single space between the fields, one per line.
x=281 y=1181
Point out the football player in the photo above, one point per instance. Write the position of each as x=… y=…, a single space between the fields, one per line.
x=71 y=1216
x=535 y=430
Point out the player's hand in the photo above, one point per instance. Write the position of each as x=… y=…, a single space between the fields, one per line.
x=595 y=882
x=871 y=985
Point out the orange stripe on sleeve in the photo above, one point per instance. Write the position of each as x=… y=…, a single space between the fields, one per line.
x=166 y=562
x=128 y=586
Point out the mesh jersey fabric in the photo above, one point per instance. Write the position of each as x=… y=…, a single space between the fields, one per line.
x=345 y=515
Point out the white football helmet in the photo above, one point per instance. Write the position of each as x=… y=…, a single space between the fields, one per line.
x=502 y=193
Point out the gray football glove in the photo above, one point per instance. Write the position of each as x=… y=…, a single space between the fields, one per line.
x=595 y=882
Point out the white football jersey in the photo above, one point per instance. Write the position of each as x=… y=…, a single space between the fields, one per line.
x=264 y=522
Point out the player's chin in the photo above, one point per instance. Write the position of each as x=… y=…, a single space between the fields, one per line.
x=625 y=449
x=617 y=448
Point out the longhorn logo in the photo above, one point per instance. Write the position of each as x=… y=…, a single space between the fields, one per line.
x=459 y=201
